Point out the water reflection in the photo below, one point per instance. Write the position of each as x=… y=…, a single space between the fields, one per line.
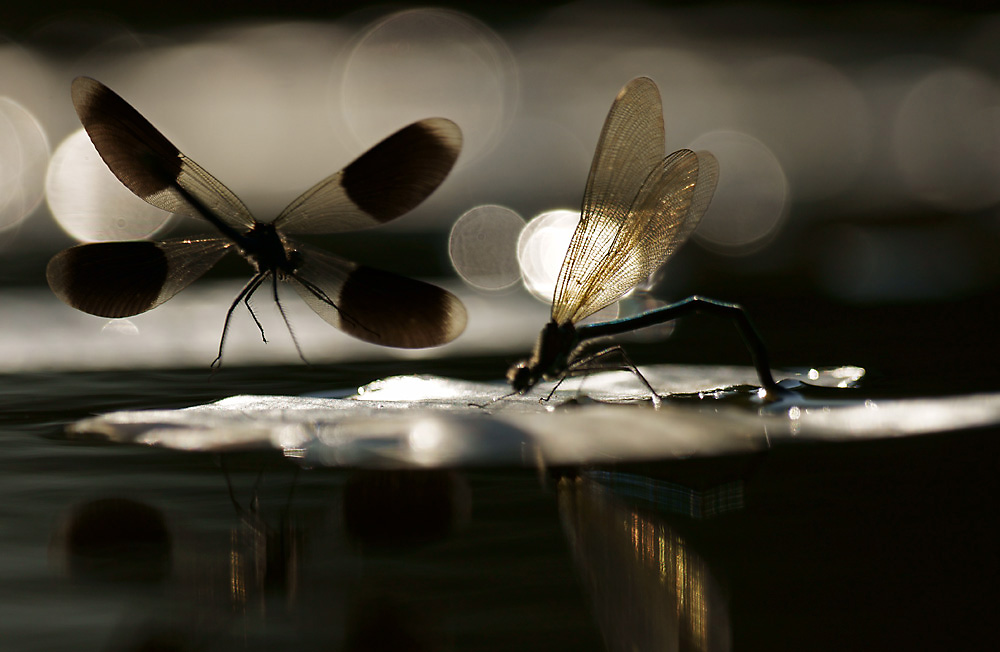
x=385 y=622
x=401 y=509
x=264 y=556
x=115 y=540
x=649 y=587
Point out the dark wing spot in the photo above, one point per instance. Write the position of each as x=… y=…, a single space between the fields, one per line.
x=97 y=279
x=139 y=155
x=394 y=176
x=394 y=310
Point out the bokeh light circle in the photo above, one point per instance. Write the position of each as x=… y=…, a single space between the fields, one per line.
x=541 y=249
x=483 y=247
x=24 y=156
x=815 y=119
x=89 y=203
x=750 y=201
x=422 y=63
x=946 y=138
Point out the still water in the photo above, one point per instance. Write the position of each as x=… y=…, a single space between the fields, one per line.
x=864 y=545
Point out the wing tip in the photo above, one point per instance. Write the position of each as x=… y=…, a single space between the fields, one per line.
x=397 y=311
x=637 y=84
x=447 y=131
x=397 y=174
x=88 y=277
x=457 y=318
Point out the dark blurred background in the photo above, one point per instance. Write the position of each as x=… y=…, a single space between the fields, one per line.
x=859 y=146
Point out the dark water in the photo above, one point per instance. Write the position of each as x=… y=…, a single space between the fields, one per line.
x=875 y=545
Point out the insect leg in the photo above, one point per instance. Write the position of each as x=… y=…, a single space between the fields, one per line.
x=244 y=295
x=288 y=324
x=246 y=302
x=696 y=304
x=490 y=402
x=581 y=366
x=629 y=365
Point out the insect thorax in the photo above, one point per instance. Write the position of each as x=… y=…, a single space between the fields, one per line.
x=550 y=358
x=267 y=250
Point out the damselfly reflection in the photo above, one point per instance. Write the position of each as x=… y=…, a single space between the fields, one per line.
x=120 y=279
x=638 y=208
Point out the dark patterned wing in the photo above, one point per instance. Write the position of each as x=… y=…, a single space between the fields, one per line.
x=150 y=165
x=387 y=181
x=374 y=305
x=121 y=279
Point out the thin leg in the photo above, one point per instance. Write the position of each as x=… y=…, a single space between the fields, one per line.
x=695 y=304
x=260 y=327
x=580 y=366
x=288 y=324
x=490 y=402
x=244 y=295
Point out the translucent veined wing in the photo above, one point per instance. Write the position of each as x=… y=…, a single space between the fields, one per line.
x=631 y=145
x=388 y=180
x=666 y=211
x=150 y=165
x=374 y=305
x=121 y=279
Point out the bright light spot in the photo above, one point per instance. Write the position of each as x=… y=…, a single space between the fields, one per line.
x=407 y=388
x=422 y=63
x=813 y=117
x=541 y=249
x=946 y=139
x=813 y=374
x=483 y=247
x=120 y=327
x=426 y=436
x=89 y=203
x=24 y=155
x=749 y=203
x=794 y=413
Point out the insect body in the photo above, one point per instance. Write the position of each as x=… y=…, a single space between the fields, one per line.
x=638 y=208
x=121 y=279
